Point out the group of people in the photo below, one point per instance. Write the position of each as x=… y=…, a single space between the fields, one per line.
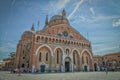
x=19 y=71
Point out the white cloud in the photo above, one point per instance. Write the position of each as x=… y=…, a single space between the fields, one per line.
x=95 y=19
x=116 y=23
x=92 y=11
x=4 y=49
x=54 y=6
x=7 y=47
x=75 y=9
x=77 y=19
x=61 y=4
x=105 y=49
x=100 y=18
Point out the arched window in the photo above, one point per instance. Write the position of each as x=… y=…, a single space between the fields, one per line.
x=82 y=60
x=23 y=65
x=74 y=58
x=103 y=63
x=87 y=59
x=23 y=51
x=57 y=57
x=46 y=40
x=38 y=38
x=46 y=56
x=40 y=56
x=67 y=51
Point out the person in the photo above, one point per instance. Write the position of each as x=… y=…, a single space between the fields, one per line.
x=62 y=70
x=11 y=70
x=16 y=70
x=19 y=72
x=106 y=70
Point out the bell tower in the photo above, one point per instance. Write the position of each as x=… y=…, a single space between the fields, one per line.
x=32 y=28
x=46 y=22
x=64 y=13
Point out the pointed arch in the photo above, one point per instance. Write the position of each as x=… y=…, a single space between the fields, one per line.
x=87 y=52
x=57 y=48
x=68 y=49
x=58 y=53
x=76 y=50
x=44 y=45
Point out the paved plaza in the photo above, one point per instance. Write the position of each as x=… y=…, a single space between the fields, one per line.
x=5 y=75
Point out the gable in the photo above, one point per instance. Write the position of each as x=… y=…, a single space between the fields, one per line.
x=63 y=30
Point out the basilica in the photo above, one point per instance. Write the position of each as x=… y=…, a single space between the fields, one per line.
x=58 y=47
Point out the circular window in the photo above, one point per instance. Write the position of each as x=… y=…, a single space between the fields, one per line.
x=65 y=33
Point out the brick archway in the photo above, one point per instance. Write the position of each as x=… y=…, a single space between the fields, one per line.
x=44 y=45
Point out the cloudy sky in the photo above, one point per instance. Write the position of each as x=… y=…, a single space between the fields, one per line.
x=97 y=20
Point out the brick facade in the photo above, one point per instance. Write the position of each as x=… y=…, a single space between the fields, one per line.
x=110 y=61
x=57 y=47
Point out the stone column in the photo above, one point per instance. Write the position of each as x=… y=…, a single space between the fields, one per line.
x=34 y=63
x=53 y=63
x=88 y=68
x=33 y=69
x=72 y=65
x=63 y=62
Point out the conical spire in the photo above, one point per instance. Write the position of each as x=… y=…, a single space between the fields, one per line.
x=32 y=28
x=46 y=21
x=64 y=13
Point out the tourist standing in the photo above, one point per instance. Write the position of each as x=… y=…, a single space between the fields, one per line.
x=106 y=70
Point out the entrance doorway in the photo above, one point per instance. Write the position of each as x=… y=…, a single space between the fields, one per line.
x=85 y=68
x=42 y=68
x=67 y=64
x=67 y=69
x=95 y=66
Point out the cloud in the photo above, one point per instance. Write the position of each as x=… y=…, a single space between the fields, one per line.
x=13 y=2
x=61 y=4
x=92 y=11
x=77 y=19
x=50 y=7
x=116 y=23
x=7 y=47
x=75 y=9
x=95 y=19
x=106 y=49
x=55 y=6
x=100 y=18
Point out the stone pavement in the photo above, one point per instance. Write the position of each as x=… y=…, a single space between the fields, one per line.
x=5 y=75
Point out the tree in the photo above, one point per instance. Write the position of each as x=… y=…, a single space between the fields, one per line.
x=12 y=54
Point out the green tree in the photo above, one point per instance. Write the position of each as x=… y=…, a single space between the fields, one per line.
x=12 y=54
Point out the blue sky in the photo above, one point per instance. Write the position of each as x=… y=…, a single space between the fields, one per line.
x=99 y=19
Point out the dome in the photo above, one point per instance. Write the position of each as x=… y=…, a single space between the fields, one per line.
x=28 y=32
x=56 y=17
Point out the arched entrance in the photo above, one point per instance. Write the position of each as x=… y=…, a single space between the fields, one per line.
x=42 y=68
x=86 y=61
x=43 y=60
x=85 y=68
x=75 y=60
x=67 y=64
x=58 y=57
x=95 y=67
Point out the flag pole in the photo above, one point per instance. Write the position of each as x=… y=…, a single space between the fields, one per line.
x=38 y=25
x=87 y=35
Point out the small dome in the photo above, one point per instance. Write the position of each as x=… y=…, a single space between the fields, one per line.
x=56 y=17
x=29 y=32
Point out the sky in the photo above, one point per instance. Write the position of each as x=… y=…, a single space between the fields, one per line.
x=96 y=20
